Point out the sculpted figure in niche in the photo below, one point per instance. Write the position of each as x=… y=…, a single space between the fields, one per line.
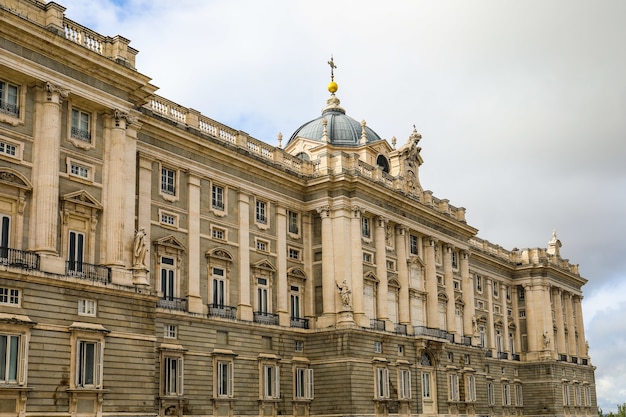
x=140 y=249
x=546 y=340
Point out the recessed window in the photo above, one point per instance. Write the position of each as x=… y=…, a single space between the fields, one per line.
x=172 y=375
x=298 y=346
x=480 y=305
x=440 y=280
x=88 y=364
x=170 y=331
x=8 y=149
x=496 y=309
x=294 y=223
x=367 y=257
x=262 y=245
x=522 y=313
x=10 y=296
x=453 y=387
x=366 y=227
x=168 y=181
x=271 y=381
x=496 y=289
x=217 y=197
x=521 y=293
x=294 y=254
x=81 y=122
x=225 y=378
x=378 y=347
x=382 y=382
x=454 y=260
x=168 y=219
x=9 y=94
x=457 y=285
x=479 y=283
x=391 y=265
x=413 y=245
x=79 y=170
x=218 y=233
x=304 y=384
x=86 y=307
x=261 y=212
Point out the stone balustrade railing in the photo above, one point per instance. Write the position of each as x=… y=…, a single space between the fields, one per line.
x=531 y=256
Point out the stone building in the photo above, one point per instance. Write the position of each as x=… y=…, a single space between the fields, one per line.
x=156 y=262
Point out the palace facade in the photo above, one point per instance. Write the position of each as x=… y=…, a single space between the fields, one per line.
x=154 y=261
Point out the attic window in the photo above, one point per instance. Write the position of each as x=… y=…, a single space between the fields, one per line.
x=304 y=156
x=382 y=162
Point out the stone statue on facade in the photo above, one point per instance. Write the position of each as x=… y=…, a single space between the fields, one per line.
x=546 y=340
x=140 y=249
x=345 y=293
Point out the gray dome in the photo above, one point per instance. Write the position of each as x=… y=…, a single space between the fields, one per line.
x=342 y=130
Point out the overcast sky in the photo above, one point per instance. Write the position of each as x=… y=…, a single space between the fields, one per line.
x=521 y=105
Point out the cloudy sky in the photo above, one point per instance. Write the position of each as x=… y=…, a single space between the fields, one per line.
x=521 y=105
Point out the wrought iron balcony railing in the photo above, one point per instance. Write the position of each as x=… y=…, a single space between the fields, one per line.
x=466 y=340
x=223 y=311
x=488 y=353
x=172 y=303
x=91 y=272
x=299 y=322
x=265 y=318
x=400 y=329
x=428 y=331
x=515 y=356
x=503 y=355
x=376 y=324
x=19 y=258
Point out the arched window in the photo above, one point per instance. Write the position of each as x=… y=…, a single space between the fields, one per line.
x=304 y=156
x=382 y=162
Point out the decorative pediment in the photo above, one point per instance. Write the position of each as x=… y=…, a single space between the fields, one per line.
x=393 y=283
x=442 y=296
x=370 y=276
x=13 y=178
x=170 y=242
x=82 y=198
x=220 y=253
x=459 y=301
x=264 y=265
x=296 y=273
x=481 y=318
x=415 y=260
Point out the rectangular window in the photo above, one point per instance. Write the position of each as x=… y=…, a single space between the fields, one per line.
x=457 y=285
x=479 y=283
x=491 y=394
x=170 y=331
x=79 y=170
x=294 y=254
x=470 y=388
x=217 y=197
x=261 y=245
x=218 y=233
x=304 y=383
x=378 y=347
x=86 y=307
x=298 y=346
x=168 y=278
x=366 y=230
x=8 y=149
x=522 y=313
x=426 y=385
x=9 y=94
x=219 y=287
x=172 y=375
x=453 y=387
x=566 y=396
x=80 y=125
x=261 y=212
x=293 y=223
x=168 y=219
x=367 y=257
x=225 y=377
x=76 y=252
x=168 y=181
x=294 y=299
x=262 y=295
x=9 y=358
x=496 y=289
x=271 y=381
x=506 y=394
x=454 y=260
x=382 y=383
x=587 y=396
x=4 y=237
x=88 y=366
x=405 y=384
x=496 y=309
x=480 y=305
x=413 y=248
x=521 y=294
x=9 y=296
x=519 y=397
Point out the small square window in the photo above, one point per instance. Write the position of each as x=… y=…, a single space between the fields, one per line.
x=367 y=257
x=168 y=219
x=262 y=245
x=480 y=305
x=218 y=233
x=86 y=307
x=8 y=149
x=170 y=331
x=457 y=285
x=391 y=265
x=294 y=254
x=522 y=313
x=79 y=170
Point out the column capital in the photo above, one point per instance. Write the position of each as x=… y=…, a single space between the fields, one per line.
x=123 y=119
x=465 y=254
x=430 y=241
x=401 y=229
x=55 y=93
x=381 y=221
x=323 y=211
x=448 y=247
x=357 y=211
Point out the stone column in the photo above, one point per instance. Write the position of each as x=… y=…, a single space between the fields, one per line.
x=432 y=319
x=281 y=265
x=114 y=196
x=404 y=313
x=491 y=331
x=467 y=285
x=309 y=287
x=571 y=326
x=531 y=318
x=449 y=287
x=194 y=303
x=244 y=307
x=515 y=307
x=329 y=287
x=505 y=322
x=45 y=208
x=580 y=327
x=381 y=269
x=144 y=203
x=560 y=342
x=357 y=268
